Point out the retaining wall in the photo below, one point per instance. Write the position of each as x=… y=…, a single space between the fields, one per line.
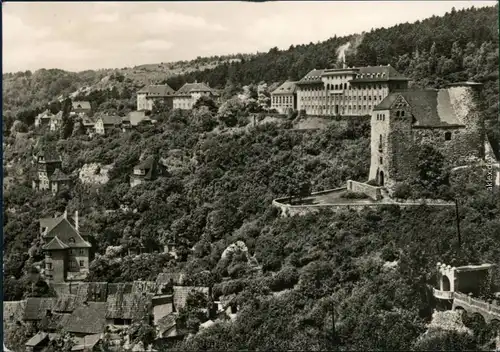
x=373 y=192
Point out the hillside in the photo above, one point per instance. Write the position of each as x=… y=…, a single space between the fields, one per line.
x=348 y=280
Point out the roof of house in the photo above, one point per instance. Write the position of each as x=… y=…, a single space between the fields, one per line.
x=377 y=74
x=110 y=119
x=55 y=244
x=149 y=165
x=88 y=318
x=67 y=234
x=54 y=321
x=165 y=278
x=86 y=342
x=13 y=310
x=123 y=304
x=313 y=76
x=143 y=287
x=37 y=339
x=44 y=115
x=181 y=294
x=429 y=107
x=57 y=116
x=188 y=88
x=167 y=322
x=49 y=223
x=81 y=105
x=288 y=87
x=136 y=117
x=58 y=175
x=92 y=291
x=65 y=303
x=162 y=90
x=36 y=307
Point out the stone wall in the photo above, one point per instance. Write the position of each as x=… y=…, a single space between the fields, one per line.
x=373 y=192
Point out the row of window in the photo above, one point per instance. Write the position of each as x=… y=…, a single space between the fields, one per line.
x=381 y=117
x=72 y=265
x=346 y=98
x=282 y=99
x=343 y=108
x=345 y=86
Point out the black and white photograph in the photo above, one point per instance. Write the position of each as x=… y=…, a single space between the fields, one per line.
x=250 y=176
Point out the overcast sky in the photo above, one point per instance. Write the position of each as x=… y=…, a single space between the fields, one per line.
x=90 y=35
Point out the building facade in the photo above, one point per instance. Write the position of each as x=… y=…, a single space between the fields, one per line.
x=149 y=94
x=105 y=123
x=347 y=91
x=43 y=119
x=284 y=98
x=49 y=175
x=189 y=93
x=81 y=107
x=447 y=119
x=67 y=251
x=56 y=121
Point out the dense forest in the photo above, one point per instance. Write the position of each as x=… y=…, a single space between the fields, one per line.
x=370 y=270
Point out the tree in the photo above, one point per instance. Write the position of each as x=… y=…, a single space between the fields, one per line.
x=433 y=59
x=67 y=120
x=207 y=102
x=228 y=112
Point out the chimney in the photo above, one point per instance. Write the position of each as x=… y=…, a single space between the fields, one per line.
x=65 y=215
x=76 y=220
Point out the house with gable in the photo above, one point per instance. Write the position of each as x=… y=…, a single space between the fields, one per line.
x=81 y=108
x=148 y=170
x=448 y=119
x=149 y=94
x=189 y=93
x=55 y=121
x=105 y=123
x=284 y=98
x=136 y=118
x=43 y=119
x=67 y=251
x=49 y=175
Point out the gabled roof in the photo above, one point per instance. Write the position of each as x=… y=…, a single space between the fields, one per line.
x=67 y=234
x=313 y=76
x=163 y=90
x=37 y=339
x=150 y=165
x=165 y=278
x=188 y=88
x=88 y=318
x=36 y=307
x=378 y=74
x=136 y=117
x=55 y=244
x=167 y=322
x=81 y=105
x=121 y=304
x=181 y=294
x=65 y=303
x=57 y=117
x=49 y=223
x=58 y=175
x=110 y=119
x=429 y=107
x=86 y=342
x=288 y=87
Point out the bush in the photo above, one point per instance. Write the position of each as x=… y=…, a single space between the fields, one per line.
x=353 y=195
x=286 y=278
x=403 y=191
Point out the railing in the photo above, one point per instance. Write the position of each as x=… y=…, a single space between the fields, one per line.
x=443 y=294
x=477 y=303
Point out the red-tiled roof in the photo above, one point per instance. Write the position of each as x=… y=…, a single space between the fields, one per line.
x=163 y=90
x=288 y=87
x=429 y=107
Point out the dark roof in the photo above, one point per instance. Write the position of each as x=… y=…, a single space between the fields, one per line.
x=49 y=223
x=163 y=90
x=55 y=244
x=65 y=303
x=110 y=119
x=122 y=304
x=81 y=105
x=188 y=88
x=181 y=294
x=150 y=165
x=65 y=231
x=92 y=291
x=313 y=76
x=165 y=278
x=88 y=318
x=58 y=175
x=143 y=287
x=37 y=339
x=55 y=321
x=288 y=87
x=429 y=107
x=36 y=307
x=378 y=74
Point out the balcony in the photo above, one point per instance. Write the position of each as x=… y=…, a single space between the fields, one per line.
x=443 y=294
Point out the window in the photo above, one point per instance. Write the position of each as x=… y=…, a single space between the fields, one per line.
x=82 y=251
x=380 y=160
x=82 y=263
x=447 y=136
x=397 y=113
x=48 y=266
x=402 y=113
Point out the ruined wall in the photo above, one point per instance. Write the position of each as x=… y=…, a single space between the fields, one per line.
x=371 y=191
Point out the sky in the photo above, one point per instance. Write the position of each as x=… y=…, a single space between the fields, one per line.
x=77 y=36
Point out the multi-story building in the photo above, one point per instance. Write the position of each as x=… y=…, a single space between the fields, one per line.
x=447 y=119
x=67 y=251
x=81 y=107
x=189 y=93
x=56 y=121
x=48 y=171
x=347 y=91
x=149 y=94
x=284 y=98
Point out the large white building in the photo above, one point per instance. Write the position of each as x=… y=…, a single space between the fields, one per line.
x=189 y=93
x=347 y=91
x=147 y=95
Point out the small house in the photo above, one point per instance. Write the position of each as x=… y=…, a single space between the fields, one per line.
x=147 y=170
x=81 y=107
x=38 y=342
x=105 y=123
x=55 y=121
x=43 y=119
x=136 y=118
